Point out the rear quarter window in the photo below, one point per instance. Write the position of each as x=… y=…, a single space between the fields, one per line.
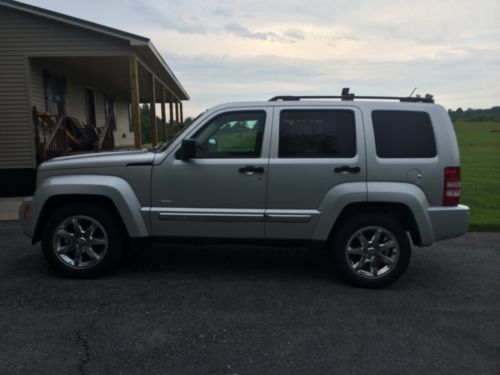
x=403 y=134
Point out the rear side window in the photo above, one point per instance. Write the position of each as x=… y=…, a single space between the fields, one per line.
x=317 y=134
x=403 y=134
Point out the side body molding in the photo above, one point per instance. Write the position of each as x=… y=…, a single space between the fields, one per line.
x=114 y=188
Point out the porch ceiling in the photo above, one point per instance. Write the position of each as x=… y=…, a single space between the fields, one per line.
x=107 y=73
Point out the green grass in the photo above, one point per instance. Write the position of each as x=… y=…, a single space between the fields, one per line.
x=236 y=142
x=479 y=144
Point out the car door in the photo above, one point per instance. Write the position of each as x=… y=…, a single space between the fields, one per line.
x=314 y=149
x=222 y=191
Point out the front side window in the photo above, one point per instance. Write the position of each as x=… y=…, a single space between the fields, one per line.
x=403 y=134
x=232 y=135
x=317 y=134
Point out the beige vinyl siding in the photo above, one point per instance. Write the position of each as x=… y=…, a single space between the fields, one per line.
x=23 y=35
x=37 y=86
x=123 y=136
x=16 y=141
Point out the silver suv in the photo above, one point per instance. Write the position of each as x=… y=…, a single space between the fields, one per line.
x=364 y=177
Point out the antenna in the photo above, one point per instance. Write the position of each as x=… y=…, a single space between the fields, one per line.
x=411 y=93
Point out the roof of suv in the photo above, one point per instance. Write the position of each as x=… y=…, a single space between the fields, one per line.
x=345 y=99
x=340 y=103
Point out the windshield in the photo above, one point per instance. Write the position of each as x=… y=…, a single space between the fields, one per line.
x=164 y=145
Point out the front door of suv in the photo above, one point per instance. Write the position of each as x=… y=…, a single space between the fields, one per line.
x=221 y=192
x=314 y=150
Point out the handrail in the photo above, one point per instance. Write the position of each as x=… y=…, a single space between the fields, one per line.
x=60 y=121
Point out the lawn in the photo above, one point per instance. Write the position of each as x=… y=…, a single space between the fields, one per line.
x=479 y=144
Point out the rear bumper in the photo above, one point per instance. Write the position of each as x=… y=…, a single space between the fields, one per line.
x=448 y=222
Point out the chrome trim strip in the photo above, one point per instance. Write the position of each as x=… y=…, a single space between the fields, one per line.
x=290 y=216
x=279 y=218
x=233 y=214
x=191 y=216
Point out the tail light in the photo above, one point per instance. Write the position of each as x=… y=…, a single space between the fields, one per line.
x=452 y=186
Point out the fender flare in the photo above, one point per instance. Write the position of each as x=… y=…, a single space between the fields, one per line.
x=341 y=196
x=114 y=188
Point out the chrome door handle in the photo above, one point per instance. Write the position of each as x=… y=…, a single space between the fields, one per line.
x=250 y=169
x=345 y=169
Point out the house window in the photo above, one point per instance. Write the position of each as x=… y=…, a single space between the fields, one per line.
x=55 y=93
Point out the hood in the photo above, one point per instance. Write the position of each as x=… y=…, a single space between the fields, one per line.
x=101 y=159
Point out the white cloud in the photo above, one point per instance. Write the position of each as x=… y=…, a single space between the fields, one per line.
x=226 y=50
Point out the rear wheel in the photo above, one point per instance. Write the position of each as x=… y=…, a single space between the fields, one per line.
x=82 y=240
x=371 y=250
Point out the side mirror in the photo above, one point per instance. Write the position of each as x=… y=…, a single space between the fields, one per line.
x=187 y=150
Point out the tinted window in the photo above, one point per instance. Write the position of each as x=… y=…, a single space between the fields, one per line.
x=403 y=134
x=232 y=135
x=317 y=134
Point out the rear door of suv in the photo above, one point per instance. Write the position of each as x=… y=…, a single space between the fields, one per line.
x=313 y=149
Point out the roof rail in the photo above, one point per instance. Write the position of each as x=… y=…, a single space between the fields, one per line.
x=428 y=98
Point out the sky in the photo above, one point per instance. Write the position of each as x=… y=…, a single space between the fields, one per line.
x=237 y=50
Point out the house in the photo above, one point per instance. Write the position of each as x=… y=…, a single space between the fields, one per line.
x=68 y=85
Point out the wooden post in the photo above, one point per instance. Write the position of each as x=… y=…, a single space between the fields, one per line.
x=163 y=116
x=134 y=100
x=176 y=111
x=170 y=99
x=154 y=129
x=182 y=116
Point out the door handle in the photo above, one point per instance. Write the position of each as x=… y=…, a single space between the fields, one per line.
x=250 y=169
x=345 y=169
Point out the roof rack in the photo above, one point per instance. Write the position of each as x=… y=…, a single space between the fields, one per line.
x=428 y=98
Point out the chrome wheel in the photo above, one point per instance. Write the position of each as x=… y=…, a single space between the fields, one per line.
x=80 y=242
x=372 y=252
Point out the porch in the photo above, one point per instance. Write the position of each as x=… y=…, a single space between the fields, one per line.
x=91 y=103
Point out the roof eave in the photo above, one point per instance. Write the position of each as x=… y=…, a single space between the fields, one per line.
x=133 y=38
x=167 y=68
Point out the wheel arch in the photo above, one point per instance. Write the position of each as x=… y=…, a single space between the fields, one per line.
x=398 y=211
x=57 y=201
x=114 y=192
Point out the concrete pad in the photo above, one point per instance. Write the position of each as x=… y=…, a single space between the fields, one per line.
x=9 y=207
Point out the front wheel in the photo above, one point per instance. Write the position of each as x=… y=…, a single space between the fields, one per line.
x=371 y=250
x=82 y=240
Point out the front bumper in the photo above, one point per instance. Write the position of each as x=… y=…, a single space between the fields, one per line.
x=26 y=220
x=448 y=222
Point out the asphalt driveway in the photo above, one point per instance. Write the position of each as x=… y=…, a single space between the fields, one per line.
x=221 y=310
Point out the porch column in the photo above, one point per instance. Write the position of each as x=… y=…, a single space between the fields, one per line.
x=170 y=99
x=163 y=115
x=154 y=129
x=182 y=116
x=134 y=100
x=176 y=111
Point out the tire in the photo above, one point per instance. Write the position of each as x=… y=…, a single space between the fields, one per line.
x=371 y=250
x=83 y=240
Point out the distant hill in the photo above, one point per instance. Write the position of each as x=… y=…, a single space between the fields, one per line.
x=476 y=115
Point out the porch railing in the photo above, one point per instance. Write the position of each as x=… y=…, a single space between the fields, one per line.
x=106 y=140
x=62 y=135
x=50 y=136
